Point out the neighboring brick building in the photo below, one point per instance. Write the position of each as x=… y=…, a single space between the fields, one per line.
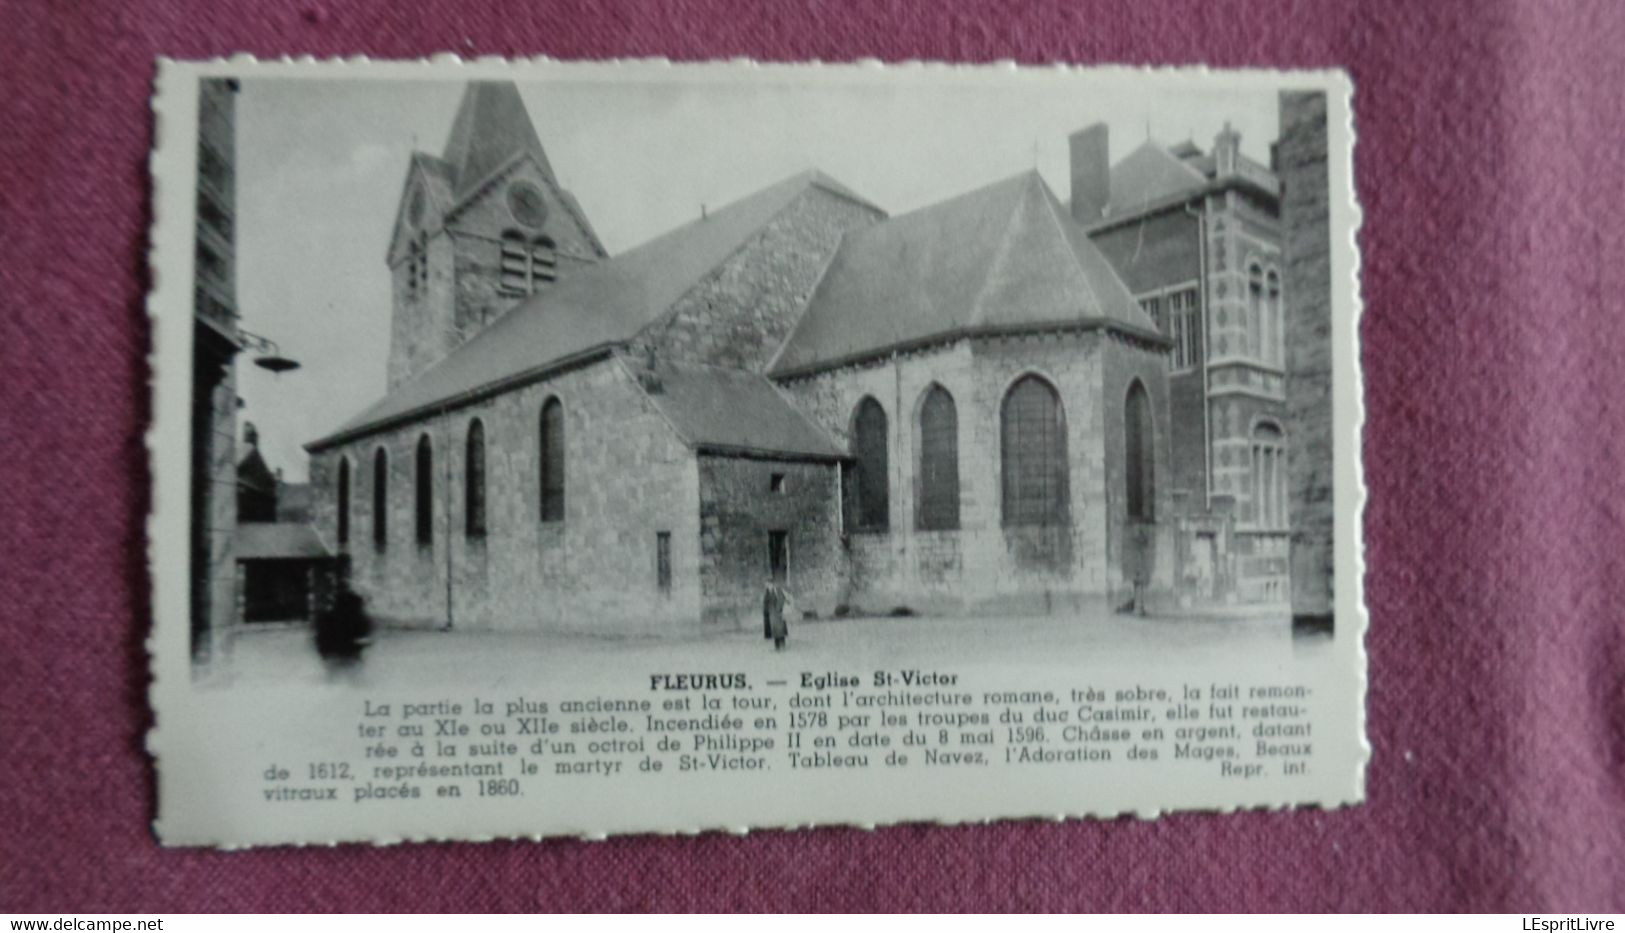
x=964 y=407
x=1301 y=159
x=1196 y=236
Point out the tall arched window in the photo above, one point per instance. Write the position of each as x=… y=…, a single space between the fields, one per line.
x=344 y=502
x=869 y=500
x=1269 y=476
x=1032 y=450
x=380 y=499
x=1276 y=350
x=1255 y=310
x=551 y=460
x=425 y=492
x=474 y=481
x=939 y=462
x=1139 y=453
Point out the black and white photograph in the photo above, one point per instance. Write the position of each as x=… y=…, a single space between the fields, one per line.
x=622 y=447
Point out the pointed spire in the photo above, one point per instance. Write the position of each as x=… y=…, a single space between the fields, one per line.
x=491 y=127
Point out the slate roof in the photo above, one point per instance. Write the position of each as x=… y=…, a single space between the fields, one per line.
x=1005 y=257
x=277 y=541
x=588 y=311
x=1147 y=175
x=491 y=126
x=734 y=411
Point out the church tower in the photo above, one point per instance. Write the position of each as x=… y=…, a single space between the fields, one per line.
x=480 y=229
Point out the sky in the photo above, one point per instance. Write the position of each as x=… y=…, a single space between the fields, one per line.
x=321 y=164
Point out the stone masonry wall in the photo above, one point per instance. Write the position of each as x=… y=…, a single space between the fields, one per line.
x=743 y=310
x=1302 y=165
x=983 y=565
x=420 y=333
x=477 y=230
x=738 y=509
x=627 y=477
x=463 y=294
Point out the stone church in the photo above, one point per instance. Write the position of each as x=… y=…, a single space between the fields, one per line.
x=995 y=403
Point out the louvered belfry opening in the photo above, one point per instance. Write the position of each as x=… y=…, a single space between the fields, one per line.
x=868 y=496
x=1032 y=447
x=939 y=462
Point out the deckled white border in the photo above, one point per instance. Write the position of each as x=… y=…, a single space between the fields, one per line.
x=169 y=307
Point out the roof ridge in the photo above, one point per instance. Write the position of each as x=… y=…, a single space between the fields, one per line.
x=985 y=284
x=835 y=186
x=1053 y=204
x=1079 y=237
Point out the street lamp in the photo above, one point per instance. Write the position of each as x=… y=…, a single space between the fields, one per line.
x=269 y=354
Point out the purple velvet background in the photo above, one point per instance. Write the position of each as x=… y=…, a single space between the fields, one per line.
x=1491 y=164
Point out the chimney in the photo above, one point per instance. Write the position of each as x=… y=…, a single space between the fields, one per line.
x=1091 y=173
x=251 y=434
x=1226 y=146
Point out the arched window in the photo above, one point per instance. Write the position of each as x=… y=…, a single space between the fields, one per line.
x=869 y=500
x=1255 y=310
x=551 y=459
x=380 y=499
x=939 y=462
x=344 y=501
x=1269 y=476
x=1032 y=450
x=1139 y=456
x=425 y=492
x=1276 y=346
x=474 y=481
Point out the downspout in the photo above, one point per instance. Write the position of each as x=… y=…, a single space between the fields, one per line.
x=1207 y=332
x=445 y=495
x=897 y=402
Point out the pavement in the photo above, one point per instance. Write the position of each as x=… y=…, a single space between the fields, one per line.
x=284 y=655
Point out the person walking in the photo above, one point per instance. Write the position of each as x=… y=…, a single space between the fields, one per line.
x=775 y=608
